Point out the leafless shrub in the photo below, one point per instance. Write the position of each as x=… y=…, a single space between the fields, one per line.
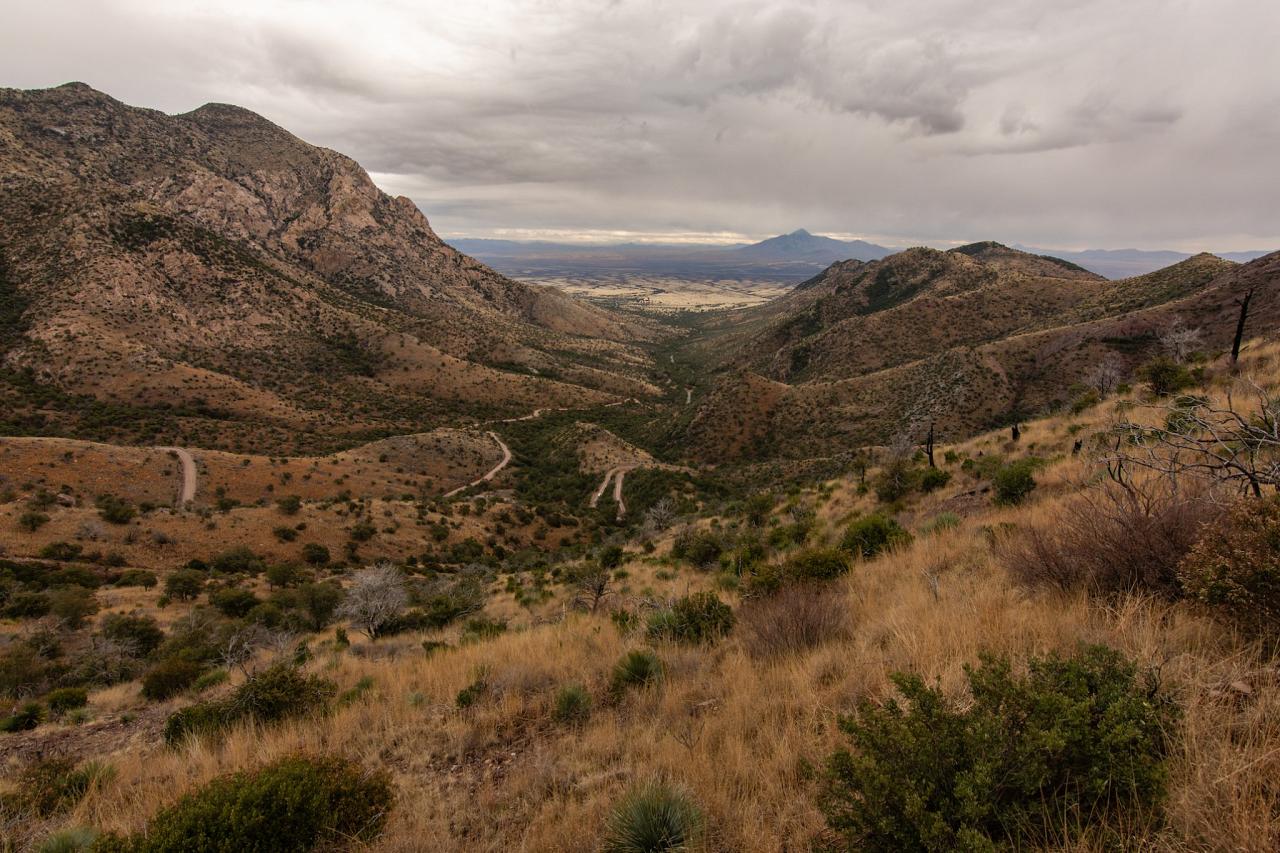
x=91 y=531
x=1179 y=341
x=1237 y=442
x=1113 y=539
x=1104 y=376
x=377 y=596
x=793 y=620
x=661 y=515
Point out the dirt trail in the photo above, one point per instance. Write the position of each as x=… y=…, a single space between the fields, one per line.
x=506 y=458
x=616 y=475
x=608 y=475
x=188 y=492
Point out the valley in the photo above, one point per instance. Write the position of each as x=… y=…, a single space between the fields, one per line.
x=764 y=544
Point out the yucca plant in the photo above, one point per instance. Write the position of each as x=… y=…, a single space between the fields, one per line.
x=637 y=668
x=655 y=817
x=573 y=705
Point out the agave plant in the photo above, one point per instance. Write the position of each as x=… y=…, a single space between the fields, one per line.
x=655 y=817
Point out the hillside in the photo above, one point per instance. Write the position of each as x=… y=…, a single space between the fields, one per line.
x=969 y=338
x=209 y=278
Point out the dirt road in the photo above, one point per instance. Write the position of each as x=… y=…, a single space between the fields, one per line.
x=506 y=459
x=188 y=491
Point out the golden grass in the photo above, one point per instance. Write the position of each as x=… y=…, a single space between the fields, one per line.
x=745 y=734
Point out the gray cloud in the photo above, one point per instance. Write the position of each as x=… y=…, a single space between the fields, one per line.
x=1151 y=122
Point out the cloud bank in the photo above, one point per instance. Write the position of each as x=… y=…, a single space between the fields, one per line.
x=1049 y=122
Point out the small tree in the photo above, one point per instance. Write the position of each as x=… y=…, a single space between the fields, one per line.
x=376 y=597
x=1179 y=341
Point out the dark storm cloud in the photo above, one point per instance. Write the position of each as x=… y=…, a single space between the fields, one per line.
x=1037 y=121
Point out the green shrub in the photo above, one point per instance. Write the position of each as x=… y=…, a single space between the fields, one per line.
x=653 y=818
x=896 y=480
x=1013 y=482
x=239 y=560
x=234 y=601
x=1234 y=568
x=53 y=785
x=638 y=668
x=65 y=699
x=115 y=510
x=140 y=635
x=315 y=554
x=870 y=535
x=32 y=521
x=61 y=551
x=283 y=574
x=480 y=628
x=699 y=547
x=298 y=804
x=184 y=584
x=72 y=605
x=277 y=693
x=1165 y=376
x=572 y=706
x=1030 y=762
x=933 y=479
x=816 y=564
x=697 y=618
x=137 y=577
x=24 y=719
x=212 y=678
x=169 y=677
x=289 y=504
x=285 y=533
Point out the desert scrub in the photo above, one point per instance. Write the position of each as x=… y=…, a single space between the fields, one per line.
x=697 y=618
x=655 y=817
x=53 y=785
x=1234 y=568
x=1013 y=482
x=298 y=803
x=1073 y=746
x=638 y=668
x=871 y=535
x=572 y=705
x=279 y=692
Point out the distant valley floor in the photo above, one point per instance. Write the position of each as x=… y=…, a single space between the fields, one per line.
x=666 y=293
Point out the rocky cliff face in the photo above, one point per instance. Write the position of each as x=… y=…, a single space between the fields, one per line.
x=212 y=260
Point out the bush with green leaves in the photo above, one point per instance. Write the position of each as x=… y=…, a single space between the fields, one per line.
x=234 y=601
x=32 y=521
x=1034 y=760
x=53 y=785
x=873 y=534
x=295 y=804
x=655 y=817
x=184 y=584
x=1234 y=568
x=65 y=699
x=315 y=554
x=1166 y=376
x=697 y=618
x=572 y=705
x=137 y=577
x=169 y=677
x=139 y=635
x=1013 y=482
x=237 y=561
x=289 y=504
x=699 y=547
x=277 y=693
x=816 y=564
x=638 y=668
x=115 y=510
x=932 y=479
x=27 y=717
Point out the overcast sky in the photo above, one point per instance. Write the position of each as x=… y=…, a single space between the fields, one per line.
x=1061 y=123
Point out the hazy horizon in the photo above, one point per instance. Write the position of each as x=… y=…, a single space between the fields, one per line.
x=1085 y=125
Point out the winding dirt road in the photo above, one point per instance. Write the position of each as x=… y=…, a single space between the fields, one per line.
x=616 y=475
x=506 y=459
x=188 y=491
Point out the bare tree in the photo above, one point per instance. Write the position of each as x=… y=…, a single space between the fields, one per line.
x=1231 y=443
x=1179 y=341
x=1104 y=376
x=592 y=590
x=240 y=647
x=661 y=515
x=377 y=595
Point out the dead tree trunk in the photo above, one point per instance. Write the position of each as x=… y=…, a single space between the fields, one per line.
x=928 y=446
x=1244 y=314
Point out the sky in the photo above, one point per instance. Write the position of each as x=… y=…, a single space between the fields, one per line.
x=1059 y=123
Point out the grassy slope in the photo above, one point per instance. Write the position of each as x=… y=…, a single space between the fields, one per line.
x=741 y=732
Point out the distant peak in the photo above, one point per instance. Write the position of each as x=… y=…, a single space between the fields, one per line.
x=979 y=248
x=800 y=232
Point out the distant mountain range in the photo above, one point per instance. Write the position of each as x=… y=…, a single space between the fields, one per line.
x=787 y=257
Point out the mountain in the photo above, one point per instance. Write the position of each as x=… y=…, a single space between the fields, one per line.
x=968 y=338
x=789 y=257
x=800 y=245
x=212 y=278
x=1123 y=263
